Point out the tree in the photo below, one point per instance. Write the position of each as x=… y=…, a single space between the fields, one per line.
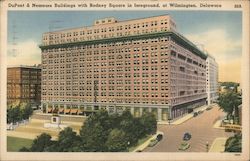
x=149 y=123
x=229 y=102
x=42 y=143
x=68 y=141
x=13 y=115
x=131 y=126
x=24 y=149
x=94 y=137
x=117 y=141
x=19 y=112
x=234 y=144
x=26 y=112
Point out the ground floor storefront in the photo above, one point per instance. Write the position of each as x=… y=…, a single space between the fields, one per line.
x=161 y=112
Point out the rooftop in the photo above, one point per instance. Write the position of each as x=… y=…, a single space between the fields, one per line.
x=25 y=66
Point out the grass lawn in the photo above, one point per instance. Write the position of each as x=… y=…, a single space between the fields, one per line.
x=141 y=141
x=14 y=143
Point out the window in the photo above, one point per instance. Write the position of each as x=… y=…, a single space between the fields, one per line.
x=182 y=69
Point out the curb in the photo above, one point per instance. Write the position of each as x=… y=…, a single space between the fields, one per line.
x=145 y=144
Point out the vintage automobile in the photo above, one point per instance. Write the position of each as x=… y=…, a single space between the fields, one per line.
x=184 y=146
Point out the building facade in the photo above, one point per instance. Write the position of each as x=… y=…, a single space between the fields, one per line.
x=140 y=65
x=212 y=80
x=24 y=85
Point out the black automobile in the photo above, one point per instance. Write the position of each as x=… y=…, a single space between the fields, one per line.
x=200 y=112
x=195 y=114
x=209 y=108
x=187 y=136
x=159 y=137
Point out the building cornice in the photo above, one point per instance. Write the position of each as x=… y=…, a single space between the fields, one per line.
x=177 y=37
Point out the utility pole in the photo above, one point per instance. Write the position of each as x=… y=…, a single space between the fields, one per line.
x=207 y=146
x=95 y=93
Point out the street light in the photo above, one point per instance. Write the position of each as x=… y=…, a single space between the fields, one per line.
x=169 y=117
x=207 y=145
x=128 y=145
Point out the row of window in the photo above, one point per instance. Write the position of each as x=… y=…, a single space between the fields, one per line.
x=116 y=27
x=148 y=101
x=81 y=48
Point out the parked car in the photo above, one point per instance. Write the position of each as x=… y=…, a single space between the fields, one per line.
x=200 y=112
x=195 y=114
x=184 y=146
x=153 y=142
x=187 y=136
x=209 y=108
x=159 y=137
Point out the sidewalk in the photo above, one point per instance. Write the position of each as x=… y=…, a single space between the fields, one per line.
x=184 y=118
x=26 y=135
x=145 y=144
x=218 y=145
x=217 y=125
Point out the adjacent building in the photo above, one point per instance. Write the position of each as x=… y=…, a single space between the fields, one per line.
x=139 y=65
x=212 y=80
x=24 y=85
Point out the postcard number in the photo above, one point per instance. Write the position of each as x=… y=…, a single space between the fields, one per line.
x=237 y=6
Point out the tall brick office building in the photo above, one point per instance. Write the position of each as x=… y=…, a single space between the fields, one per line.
x=24 y=85
x=140 y=65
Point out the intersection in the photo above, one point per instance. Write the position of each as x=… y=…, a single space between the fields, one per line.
x=201 y=129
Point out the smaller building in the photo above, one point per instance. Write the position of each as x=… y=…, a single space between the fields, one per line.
x=212 y=79
x=24 y=85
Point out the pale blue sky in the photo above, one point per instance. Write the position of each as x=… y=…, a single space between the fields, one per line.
x=31 y=24
x=219 y=31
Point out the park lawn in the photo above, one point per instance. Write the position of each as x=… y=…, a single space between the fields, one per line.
x=14 y=143
x=141 y=141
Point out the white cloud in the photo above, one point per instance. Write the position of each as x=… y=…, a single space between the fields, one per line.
x=225 y=50
x=217 y=43
x=27 y=53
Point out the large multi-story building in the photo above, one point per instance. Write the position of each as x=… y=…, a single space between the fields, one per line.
x=140 y=64
x=24 y=85
x=212 y=80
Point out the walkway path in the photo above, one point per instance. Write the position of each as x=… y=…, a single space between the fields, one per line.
x=218 y=145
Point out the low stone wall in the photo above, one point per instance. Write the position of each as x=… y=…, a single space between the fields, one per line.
x=68 y=118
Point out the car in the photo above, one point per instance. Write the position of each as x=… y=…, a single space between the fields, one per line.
x=200 y=112
x=184 y=146
x=152 y=142
x=209 y=108
x=187 y=136
x=159 y=137
x=195 y=114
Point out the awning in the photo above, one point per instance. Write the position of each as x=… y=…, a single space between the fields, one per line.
x=67 y=111
x=61 y=110
x=55 y=110
x=74 y=111
x=49 y=110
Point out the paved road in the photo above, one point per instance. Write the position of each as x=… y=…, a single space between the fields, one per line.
x=201 y=129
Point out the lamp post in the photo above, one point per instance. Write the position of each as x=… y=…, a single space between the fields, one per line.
x=207 y=146
x=169 y=117
x=128 y=145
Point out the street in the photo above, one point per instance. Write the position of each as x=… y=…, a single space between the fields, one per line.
x=201 y=129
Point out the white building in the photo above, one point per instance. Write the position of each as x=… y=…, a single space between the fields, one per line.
x=212 y=79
